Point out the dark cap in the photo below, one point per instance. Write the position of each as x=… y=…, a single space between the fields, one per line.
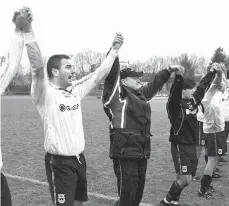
x=188 y=83
x=128 y=72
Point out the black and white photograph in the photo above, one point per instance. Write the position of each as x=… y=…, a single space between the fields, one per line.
x=114 y=103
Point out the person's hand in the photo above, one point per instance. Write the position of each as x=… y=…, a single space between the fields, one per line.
x=118 y=41
x=216 y=67
x=177 y=69
x=23 y=19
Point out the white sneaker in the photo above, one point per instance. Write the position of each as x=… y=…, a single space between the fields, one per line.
x=228 y=141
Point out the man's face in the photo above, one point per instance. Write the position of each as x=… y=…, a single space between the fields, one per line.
x=188 y=93
x=16 y=19
x=133 y=82
x=66 y=72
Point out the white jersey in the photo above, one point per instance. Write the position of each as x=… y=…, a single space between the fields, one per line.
x=226 y=102
x=61 y=115
x=13 y=55
x=213 y=111
x=10 y=66
x=60 y=110
x=200 y=114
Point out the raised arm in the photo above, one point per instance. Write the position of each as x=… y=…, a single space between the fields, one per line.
x=87 y=83
x=173 y=104
x=111 y=82
x=39 y=76
x=10 y=67
x=212 y=90
x=204 y=86
x=151 y=89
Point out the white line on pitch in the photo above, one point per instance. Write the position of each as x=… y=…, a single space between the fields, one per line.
x=101 y=196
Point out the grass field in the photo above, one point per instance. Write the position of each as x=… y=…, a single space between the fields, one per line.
x=23 y=155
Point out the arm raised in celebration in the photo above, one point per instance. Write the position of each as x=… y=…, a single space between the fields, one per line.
x=87 y=83
x=10 y=66
x=39 y=76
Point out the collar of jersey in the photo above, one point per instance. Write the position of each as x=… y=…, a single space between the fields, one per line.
x=58 y=88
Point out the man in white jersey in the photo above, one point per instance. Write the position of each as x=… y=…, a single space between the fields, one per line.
x=201 y=145
x=213 y=128
x=58 y=100
x=8 y=68
x=227 y=117
x=226 y=108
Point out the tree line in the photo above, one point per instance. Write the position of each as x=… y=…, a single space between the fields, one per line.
x=87 y=62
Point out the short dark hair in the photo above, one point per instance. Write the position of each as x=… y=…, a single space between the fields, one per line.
x=188 y=83
x=54 y=62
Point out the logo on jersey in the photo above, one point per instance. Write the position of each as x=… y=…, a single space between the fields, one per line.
x=64 y=108
x=191 y=109
x=184 y=168
x=188 y=111
x=220 y=151
x=61 y=198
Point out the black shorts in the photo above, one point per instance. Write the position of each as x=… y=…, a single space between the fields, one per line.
x=184 y=158
x=216 y=144
x=200 y=140
x=67 y=179
x=5 y=192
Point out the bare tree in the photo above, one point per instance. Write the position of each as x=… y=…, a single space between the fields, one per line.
x=201 y=66
x=92 y=59
x=189 y=63
x=78 y=61
x=161 y=63
x=168 y=61
x=138 y=66
x=153 y=64
x=86 y=62
x=99 y=57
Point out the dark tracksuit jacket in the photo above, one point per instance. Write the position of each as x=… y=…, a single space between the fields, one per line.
x=129 y=113
x=182 y=112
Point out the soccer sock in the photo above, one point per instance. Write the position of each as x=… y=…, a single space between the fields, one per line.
x=174 y=192
x=205 y=182
x=206 y=158
x=193 y=174
x=195 y=165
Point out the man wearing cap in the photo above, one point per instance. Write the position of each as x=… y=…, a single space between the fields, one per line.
x=127 y=106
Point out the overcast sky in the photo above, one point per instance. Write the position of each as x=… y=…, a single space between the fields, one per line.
x=150 y=27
